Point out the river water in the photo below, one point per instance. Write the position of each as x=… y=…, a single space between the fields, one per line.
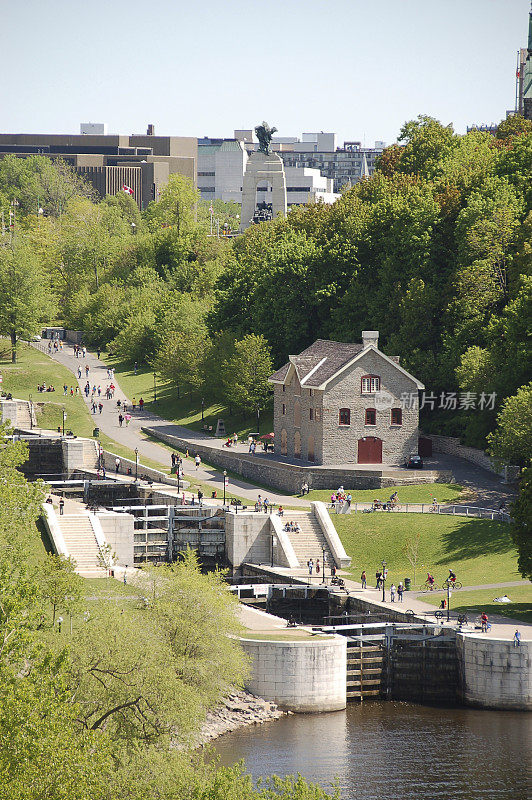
x=392 y=751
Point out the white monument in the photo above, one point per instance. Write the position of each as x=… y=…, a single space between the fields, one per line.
x=263 y=166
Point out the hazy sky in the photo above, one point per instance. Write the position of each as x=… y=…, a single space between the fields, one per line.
x=204 y=68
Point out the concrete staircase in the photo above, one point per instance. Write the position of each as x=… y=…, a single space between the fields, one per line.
x=310 y=541
x=81 y=544
x=23 y=414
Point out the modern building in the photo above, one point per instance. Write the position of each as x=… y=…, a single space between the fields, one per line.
x=341 y=403
x=143 y=163
x=222 y=164
x=525 y=76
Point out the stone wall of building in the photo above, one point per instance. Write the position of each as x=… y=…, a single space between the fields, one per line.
x=305 y=676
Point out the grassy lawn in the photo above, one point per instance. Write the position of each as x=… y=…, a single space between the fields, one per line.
x=31 y=369
x=479 y=551
x=417 y=493
x=480 y=600
x=185 y=410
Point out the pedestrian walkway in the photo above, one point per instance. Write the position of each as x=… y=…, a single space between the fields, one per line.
x=131 y=435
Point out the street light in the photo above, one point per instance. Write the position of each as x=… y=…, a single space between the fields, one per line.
x=178 y=475
x=225 y=481
x=202 y=408
x=383 y=579
x=136 y=462
x=64 y=418
x=323 y=565
x=59 y=623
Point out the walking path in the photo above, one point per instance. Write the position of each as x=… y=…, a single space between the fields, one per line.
x=132 y=437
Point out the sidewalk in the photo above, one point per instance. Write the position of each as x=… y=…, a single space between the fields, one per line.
x=132 y=437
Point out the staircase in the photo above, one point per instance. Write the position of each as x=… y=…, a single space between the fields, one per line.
x=310 y=541
x=23 y=415
x=81 y=544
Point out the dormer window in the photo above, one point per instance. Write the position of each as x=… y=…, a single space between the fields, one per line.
x=370 y=384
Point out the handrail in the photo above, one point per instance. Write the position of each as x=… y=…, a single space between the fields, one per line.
x=455 y=509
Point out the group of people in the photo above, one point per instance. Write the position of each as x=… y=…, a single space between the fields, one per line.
x=310 y=565
x=56 y=345
x=80 y=351
x=260 y=504
x=387 y=505
x=340 y=496
x=292 y=527
x=42 y=387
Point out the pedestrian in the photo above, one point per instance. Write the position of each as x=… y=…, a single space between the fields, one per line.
x=317 y=566
x=235 y=439
x=135 y=367
x=65 y=389
x=266 y=505
x=124 y=406
x=77 y=390
x=348 y=500
x=134 y=403
x=87 y=370
x=99 y=390
x=197 y=460
x=173 y=461
x=127 y=418
x=117 y=465
x=400 y=590
x=79 y=371
x=120 y=419
x=200 y=496
x=378 y=577
x=310 y=565
x=94 y=407
x=98 y=352
x=392 y=592
x=363 y=579
x=484 y=622
x=100 y=407
x=141 y=404
x=125 y=575
x=517 y=638
x=61 y=506
x=84 y=351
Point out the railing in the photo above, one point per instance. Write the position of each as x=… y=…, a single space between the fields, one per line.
x=453 y=509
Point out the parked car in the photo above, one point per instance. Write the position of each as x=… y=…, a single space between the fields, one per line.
x=415 y=462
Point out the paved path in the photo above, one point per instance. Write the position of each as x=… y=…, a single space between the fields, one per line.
x=131 y=436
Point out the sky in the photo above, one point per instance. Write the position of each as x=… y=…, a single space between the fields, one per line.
x=360 y=69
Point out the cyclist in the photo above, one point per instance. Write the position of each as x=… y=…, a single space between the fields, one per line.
x=430 y=579
x=452 y=577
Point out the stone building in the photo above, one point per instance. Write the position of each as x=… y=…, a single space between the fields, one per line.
x=341 y=403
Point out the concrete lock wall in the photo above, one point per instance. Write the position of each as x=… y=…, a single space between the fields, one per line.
x=118 y=530
x=247 y=538
x=306 y=676
x=494 y=673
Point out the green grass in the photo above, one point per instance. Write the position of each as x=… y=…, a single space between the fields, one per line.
x=475 y=602
x=107 y=587
x=31 y=369
x=479 y=551
x=417 y=493
x=181 y=410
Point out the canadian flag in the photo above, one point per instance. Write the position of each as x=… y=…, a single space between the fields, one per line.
x=127 y=189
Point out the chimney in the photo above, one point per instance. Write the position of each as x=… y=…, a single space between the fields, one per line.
x=370 y=337
x=150 y=131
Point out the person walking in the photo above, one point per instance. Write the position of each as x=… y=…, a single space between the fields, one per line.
x=173 y=461
x=87 y=370
x=378 y=578
x=317 y=566
x=197 y=460
x=266 y=505
x=79 y=371
x=363 y=579
x=117 y=465
x=134 y=403
x=120 y=420
x=310 y=565
x=98 y=353
x=517 y=638
x=100 y=407
x=484 y=622
x=61 y=506
x=141 y=404
x=400 y=589
x=200 y=497
x=392 y=592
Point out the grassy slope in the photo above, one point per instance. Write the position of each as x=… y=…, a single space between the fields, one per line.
x=479 y=551
x=417 y=493
x=184 y=410
x=480 y=600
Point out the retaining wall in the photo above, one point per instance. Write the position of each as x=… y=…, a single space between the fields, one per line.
x=452 y=446
x=494 y=673
x=306 y=676
x=290 y=477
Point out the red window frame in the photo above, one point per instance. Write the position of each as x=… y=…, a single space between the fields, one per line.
x=396 y=416
x=344 y=416
x=371 y=379
x=371 y=416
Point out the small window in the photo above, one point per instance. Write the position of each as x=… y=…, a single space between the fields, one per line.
x=310 y=392
x=284 y=409
x=370 y=384
x=345 y=416
x=371 y=416
x=317 y=414
x=284 y=388
x=397 y=416
x=311 y=413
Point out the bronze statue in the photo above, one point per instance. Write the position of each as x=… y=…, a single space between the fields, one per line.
x=264 y=135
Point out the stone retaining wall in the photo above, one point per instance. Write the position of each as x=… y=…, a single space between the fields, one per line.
x=494 y=673
x=289 y=477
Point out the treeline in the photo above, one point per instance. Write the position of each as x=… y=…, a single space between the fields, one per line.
x=102 y=699
x=434 y=251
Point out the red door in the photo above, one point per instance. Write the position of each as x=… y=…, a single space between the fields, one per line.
x=370 y=450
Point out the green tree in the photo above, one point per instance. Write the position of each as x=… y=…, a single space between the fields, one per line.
x=182 y=352
x=176 y=206
x=511 y=441
x=246 y=375
x=25 y=298
x=60 y=584
x=521 y=512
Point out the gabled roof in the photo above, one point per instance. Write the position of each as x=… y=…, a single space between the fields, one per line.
x=316 y=366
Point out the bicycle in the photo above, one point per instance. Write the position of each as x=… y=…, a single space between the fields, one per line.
x=452 y=584
x=429 y=587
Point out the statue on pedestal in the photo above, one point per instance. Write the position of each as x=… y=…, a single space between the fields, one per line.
x=264 y=135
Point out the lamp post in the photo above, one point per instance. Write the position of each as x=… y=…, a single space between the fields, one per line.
x=202 y=409
x=323 y=565
x=59 y=623
x=30 y=397
x=154 y=388
x=178 y=476
x=225 y=481
x=383 y=580
x=136 y=462
x=133 y=228
x=64 y=418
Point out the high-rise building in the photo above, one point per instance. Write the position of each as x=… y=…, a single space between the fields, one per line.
x=525 y=91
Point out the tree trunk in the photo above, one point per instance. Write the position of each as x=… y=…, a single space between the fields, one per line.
x=13 y=347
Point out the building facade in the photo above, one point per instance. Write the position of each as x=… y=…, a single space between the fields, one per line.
x=144 y=163
x=344 y=403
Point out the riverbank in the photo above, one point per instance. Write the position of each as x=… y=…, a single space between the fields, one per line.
x=238 y=710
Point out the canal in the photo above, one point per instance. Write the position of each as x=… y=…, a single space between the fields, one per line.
x=392 y=751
